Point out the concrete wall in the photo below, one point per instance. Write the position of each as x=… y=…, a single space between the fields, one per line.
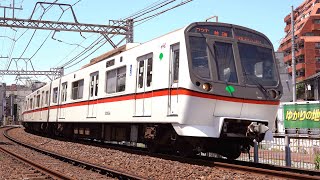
x=286 y=79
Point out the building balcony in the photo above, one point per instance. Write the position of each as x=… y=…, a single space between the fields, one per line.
x=284 y=47
x=300 y=66
x=287 y=18
x=287 y=28
x=301 y=78
x=299 y=52
x=287 y=58
x=289 y=70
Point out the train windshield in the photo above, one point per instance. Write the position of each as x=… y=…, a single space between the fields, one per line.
x=226 y=53
x=258 y=64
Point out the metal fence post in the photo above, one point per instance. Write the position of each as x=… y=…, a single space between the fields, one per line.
x=255 y=152
x=287 y=151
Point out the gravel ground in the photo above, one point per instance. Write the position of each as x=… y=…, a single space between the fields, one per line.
x=145 y=166
x=14 y=169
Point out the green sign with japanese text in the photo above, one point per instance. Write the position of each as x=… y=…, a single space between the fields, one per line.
x=302 y=116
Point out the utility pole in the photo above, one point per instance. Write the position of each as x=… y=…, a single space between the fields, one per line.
x=293 y=64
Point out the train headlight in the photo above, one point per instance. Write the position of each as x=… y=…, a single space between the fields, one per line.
x=273 y=93
x=206 y=87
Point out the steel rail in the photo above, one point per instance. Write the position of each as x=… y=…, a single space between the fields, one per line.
x=36 y=166
x=258 y=168
x=102 y=170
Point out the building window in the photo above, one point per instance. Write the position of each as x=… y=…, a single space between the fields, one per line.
x=116 y=80
x=317 y=45
x=55 y=95
x=316 y=21
x=77 y=89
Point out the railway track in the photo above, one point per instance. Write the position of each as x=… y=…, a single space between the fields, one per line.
x=257 y=168
x=113 y=173
x=247 y=167
x=34 y=170
x=27 y=168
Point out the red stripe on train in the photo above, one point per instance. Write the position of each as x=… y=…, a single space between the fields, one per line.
x=157 y=93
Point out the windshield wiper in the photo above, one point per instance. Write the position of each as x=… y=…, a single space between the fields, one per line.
x=260 y=86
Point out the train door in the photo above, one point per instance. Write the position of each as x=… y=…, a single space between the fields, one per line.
x=62 y=110
x=143 y=97
x=173 y=80
x=93 y=94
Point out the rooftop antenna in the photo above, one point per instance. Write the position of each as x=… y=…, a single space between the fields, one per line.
x=212 y=17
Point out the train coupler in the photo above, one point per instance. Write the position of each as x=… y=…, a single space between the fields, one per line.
x=257 y=129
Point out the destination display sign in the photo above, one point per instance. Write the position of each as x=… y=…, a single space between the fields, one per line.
x=213 y=30
x=248 y=36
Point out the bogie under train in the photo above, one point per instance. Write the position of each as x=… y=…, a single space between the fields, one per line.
x=208 y=87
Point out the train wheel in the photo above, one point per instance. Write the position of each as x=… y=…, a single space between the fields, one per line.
x=233 y=152
x=153 y=147
x=184 y=148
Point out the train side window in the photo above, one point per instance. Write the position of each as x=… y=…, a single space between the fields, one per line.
x=35 y=102
x=149 y=72
x=116 y=80
x=77 y=89
x=38 y=101
x=94 y=84
x=47 y=97
x=42 y=98
x=64 y=92
x=175 y=62
x=121 y=79
x=141 y=74
x=55 y=95
x=31 y=103
x=97 y=85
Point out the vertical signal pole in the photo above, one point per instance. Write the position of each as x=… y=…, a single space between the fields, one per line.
x=293 y=64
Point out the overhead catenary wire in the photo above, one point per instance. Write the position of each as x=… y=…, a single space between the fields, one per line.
x=86 y=56
x=96 y=42
x=10 y=57
x=161 y=12
x=149 y=9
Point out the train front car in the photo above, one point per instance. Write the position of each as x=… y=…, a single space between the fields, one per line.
x=235 y=88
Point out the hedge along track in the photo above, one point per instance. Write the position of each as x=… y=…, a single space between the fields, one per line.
x=102 y=170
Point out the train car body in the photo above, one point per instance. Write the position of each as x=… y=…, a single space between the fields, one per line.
x=208 y=87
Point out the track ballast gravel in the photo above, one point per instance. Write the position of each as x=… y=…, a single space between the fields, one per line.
x=145 y=166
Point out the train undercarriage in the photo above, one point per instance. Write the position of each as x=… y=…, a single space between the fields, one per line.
x=157 y=137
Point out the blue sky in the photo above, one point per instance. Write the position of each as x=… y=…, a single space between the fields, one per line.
x=264 y=16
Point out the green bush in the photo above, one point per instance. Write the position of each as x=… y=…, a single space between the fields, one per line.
x=317 y=161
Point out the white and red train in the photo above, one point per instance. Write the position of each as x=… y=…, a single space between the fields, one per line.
x=208 y=87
